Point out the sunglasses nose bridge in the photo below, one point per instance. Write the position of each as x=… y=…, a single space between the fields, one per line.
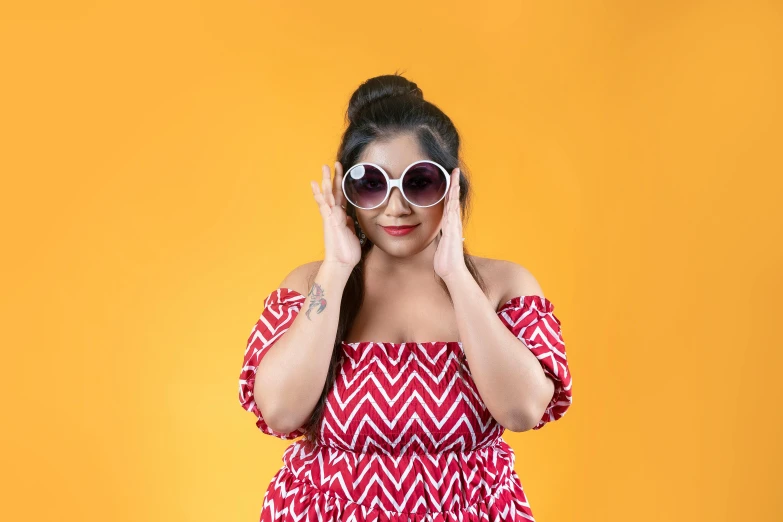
x=395 y=183
x=398 y=183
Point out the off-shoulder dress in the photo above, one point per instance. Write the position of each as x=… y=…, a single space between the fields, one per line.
x=405 y=435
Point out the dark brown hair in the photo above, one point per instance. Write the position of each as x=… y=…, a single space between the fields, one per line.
x=381 y=108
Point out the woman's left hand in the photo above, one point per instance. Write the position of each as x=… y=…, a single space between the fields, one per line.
x=449 y=255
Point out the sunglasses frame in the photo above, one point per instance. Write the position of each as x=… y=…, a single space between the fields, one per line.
x=391 y=183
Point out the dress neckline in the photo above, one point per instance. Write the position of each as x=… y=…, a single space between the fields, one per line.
x=429 y=343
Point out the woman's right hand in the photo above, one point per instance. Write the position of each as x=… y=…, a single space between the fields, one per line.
x=342 y=246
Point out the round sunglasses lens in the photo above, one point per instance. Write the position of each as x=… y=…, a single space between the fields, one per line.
x=424 y=184
x=365 y=186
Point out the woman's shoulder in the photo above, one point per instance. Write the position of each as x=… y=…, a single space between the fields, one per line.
x=301 y=278
x=506 y=279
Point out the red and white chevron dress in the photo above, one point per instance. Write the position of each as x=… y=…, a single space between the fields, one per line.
x=405 y=435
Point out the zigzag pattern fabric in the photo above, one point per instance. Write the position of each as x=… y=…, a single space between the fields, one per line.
x=405 y=434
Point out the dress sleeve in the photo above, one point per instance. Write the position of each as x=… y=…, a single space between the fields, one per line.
x=280 y=309
x=531 y=319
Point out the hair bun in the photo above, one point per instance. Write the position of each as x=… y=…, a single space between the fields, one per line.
x=378 y=88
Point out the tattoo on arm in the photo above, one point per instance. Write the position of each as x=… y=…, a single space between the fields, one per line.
x=317 y=300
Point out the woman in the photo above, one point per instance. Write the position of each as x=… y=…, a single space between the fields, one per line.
x=399 y=373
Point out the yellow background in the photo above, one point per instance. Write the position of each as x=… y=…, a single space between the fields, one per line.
x=156 y=160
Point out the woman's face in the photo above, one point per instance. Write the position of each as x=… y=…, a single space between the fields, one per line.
x=394 y=155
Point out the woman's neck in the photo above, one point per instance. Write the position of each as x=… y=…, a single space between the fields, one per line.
x=415 y=266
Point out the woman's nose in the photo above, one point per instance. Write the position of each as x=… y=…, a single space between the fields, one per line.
x=396 y=201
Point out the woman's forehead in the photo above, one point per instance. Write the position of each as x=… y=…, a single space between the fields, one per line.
x=393 y=155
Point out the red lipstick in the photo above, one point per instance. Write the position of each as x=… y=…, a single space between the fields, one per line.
x=399 y=231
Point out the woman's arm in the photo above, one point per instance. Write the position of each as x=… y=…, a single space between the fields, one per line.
x=291 y=375
x=511 y=381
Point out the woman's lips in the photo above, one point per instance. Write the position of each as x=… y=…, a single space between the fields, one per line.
x=399 y=231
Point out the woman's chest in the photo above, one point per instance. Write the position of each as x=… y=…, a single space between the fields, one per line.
x=406 y=315
x=398 y=322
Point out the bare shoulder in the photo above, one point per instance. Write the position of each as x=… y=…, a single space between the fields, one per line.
x=507 y=279
x=301 y=277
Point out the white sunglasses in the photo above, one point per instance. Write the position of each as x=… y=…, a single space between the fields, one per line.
x=423 y=183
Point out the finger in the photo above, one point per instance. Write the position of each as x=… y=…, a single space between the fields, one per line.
x=444 y=220
x=450 y=200
x=339 y=198
x=326 y=183
x=330 y=194
x=451 y=191
x=456 y=190
x=323 y=207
